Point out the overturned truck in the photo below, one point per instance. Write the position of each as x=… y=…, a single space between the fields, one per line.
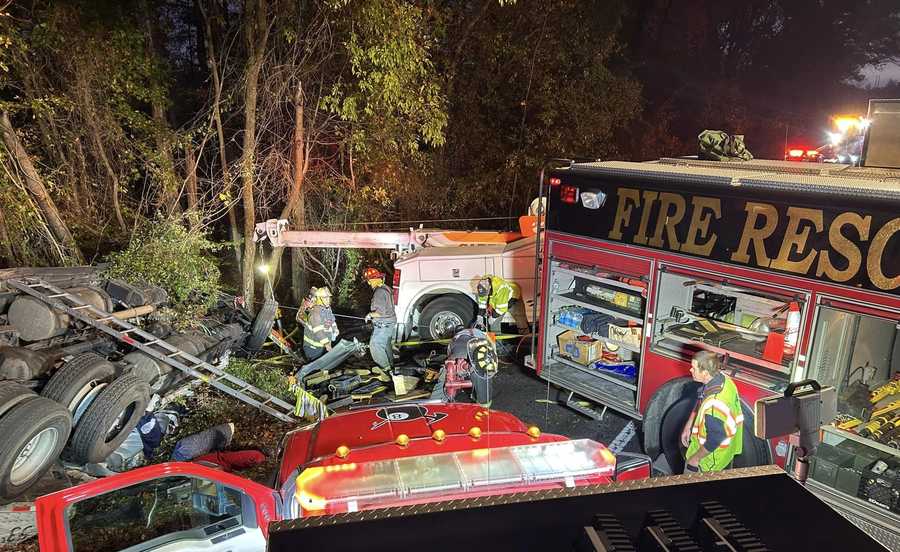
x=75 y=373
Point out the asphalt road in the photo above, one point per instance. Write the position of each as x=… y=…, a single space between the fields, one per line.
x=519 y=391
x=516 y=389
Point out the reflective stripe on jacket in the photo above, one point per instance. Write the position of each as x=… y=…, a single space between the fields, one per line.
x=321 y=328
x=502 y=292
x=721 y=401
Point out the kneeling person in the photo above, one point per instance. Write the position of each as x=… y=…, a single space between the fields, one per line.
x=470 y=356
x=497 y=296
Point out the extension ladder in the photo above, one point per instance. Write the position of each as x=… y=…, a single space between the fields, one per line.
x=155 y=347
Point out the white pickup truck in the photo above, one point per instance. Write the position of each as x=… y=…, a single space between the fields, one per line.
x=434 y=269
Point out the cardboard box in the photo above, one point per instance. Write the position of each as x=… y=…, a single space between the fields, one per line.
x=579 y=348
x=630 y=335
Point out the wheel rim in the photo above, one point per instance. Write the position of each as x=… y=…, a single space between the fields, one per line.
x=82 y=393
x=85 y=402
x=444 y=324
x=119 y=424
x=33 y=455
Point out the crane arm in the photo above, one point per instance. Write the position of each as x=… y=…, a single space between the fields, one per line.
x=279 y=236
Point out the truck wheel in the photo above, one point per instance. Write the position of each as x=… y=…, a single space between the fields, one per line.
x=755 y=451
x=441 y=317
x=109 y=419
x=262 y=325
x=32 y=434
x=11 y=394
x=75 y=380
x=670 y=393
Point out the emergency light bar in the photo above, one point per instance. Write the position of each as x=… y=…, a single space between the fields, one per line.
x=352 y=486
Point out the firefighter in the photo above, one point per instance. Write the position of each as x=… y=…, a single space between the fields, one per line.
x=480 y=358
x=714 y=432
x=320 y=327
x=496 y=297
x=305 y=306
x=383 y=318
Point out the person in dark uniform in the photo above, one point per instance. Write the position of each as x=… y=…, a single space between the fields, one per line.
x=383 y=318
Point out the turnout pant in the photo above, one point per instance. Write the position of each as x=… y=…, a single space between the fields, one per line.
x=312 y=353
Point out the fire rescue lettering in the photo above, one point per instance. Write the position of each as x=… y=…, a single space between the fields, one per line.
x=803 y=241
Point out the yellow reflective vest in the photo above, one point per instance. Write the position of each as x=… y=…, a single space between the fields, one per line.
x=502 y=292
x=721 y=401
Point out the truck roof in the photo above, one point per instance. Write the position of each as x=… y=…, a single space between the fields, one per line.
x=372 y=433
x=819 y=178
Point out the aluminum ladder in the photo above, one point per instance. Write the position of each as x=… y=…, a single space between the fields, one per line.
x=155 y=347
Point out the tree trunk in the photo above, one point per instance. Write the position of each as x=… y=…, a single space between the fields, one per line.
x=81 y=182
x=36 y=186
x=256 y=34
x=90 y=115
x=170 y=195
x=171 y=191
x=191 y=182
x=299 y=272
x=220 y=133
x=6 y=253
x=300 y=158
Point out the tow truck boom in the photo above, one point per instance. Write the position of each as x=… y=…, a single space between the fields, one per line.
x=403 y=242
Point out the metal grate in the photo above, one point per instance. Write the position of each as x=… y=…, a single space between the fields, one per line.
x=886 y=537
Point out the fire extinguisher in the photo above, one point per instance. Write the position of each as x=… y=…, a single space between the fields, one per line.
x=792 y=328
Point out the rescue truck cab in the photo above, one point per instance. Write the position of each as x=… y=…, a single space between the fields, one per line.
x=379 y=457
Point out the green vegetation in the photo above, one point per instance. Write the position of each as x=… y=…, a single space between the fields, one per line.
x=267 y=375
x=167 y=254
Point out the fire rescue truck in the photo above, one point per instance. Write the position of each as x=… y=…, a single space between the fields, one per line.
x=787 y=271
x=378 y=457
x=434 y=269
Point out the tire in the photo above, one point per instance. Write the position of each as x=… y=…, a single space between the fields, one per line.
x=660 y=403
x=32 y=434
x=754 y=451
x=673 y=422
x=109 y=419
x=262 y=325
x=74 y=381
x=442 y=315
x=11 y=394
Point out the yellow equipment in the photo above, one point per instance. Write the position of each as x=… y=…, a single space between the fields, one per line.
x=847 y=422
x=881 y=392
x=890 y=407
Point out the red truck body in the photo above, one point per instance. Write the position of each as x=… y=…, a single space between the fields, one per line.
x=374 y=458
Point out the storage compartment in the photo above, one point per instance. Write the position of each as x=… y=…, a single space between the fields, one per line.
x=594 y=332
x=860 y=469
x=757 y=329
x=856 y=349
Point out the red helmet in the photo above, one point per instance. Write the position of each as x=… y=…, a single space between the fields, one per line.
x=373 y=274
